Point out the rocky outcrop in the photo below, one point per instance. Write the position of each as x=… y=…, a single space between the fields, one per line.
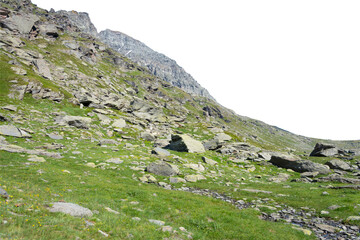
x=81 y=20
x=298 y=165
x=70 y=208
x=159 y=64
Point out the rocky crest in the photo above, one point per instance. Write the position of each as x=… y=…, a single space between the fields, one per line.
x=159 y=64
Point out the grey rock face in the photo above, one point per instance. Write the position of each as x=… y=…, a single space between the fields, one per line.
x=71 y=209
x=159 y=64
x=42 y=68
x=80 y=20
x=162 y=168
x=184 y=143
x=298 y=165
x=338 y=164
x=324 y=150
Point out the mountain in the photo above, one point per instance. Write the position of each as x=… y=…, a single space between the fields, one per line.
x=94 y=145
x=158 y=64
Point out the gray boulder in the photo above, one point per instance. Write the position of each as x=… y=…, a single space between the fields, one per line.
x=184 y=143
x=71 y=209
x=338 y=164
x=10 y=130
x=324 y=150
x=49 y=30
x=162 y=168
x=3 y=193
x=296 y=164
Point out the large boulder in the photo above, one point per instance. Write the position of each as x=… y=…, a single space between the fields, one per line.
x=42 y=68
x=338 y=164
x=10 y=130
x=184 y=143
x=162 y=168
x=324 y=150
x=296 y=164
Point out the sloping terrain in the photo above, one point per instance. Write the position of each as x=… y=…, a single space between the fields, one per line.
x=94 y=146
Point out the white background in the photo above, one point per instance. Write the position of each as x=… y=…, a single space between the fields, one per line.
x=293 y=64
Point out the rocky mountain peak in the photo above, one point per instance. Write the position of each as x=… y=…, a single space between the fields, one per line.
x=159 y=64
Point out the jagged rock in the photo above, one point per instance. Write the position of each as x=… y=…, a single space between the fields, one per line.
x=162 y=168
x=71 y=209
x=76 y=121
x=10 y=130
x=119 y=123
x=324 y=150
x=209 y=161
x=196 y=167
x=20 y=22
x=338 y=164
x=161 y=152
x=184 y=143
x=42 y=68
x=298 y=165
x=194 y=178
x=3 y=193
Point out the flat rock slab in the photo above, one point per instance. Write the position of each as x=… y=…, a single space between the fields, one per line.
x=18 y=149
x=71 y=209
x=10 y=130
x=338 y=164
x=209 y=161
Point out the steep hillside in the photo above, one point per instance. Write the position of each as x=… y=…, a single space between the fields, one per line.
x=94 y=145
